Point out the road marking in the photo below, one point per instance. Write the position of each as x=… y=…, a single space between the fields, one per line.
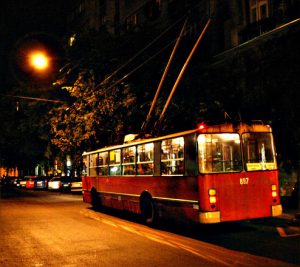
x=162 y=239
x=109 y=222
x=158 y=239
x=130 y=229
x=197 y=252
x=216 y=255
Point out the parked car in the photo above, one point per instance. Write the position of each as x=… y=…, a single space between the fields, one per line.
x=54 y=183
x=23 y=182
x=30 y=180
x=76 y=184
x=41 y=182
x=61 y=183
x=17 y=182
x=7 y=180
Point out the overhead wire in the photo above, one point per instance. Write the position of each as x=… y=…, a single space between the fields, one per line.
x=142 y=64
x=34 y=98
x=139 y=66
x=139 y=53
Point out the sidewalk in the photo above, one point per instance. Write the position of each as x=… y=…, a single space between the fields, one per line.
x=288 y=224
x=289 y=209
x=290 y=214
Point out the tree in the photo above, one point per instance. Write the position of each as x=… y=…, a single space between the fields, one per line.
x=94 y=116
x=24 y=132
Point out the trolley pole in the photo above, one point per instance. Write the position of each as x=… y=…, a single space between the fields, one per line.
x=158 y=123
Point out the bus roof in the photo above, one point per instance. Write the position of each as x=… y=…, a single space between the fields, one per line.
x=202 y=128
x=142 y=141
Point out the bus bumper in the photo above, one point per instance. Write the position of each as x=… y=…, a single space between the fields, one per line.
x=210 y=217
x=276 y=210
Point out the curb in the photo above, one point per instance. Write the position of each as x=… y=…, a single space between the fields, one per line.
x=288 y=216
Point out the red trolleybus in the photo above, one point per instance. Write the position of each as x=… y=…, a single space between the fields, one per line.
x=212 y=174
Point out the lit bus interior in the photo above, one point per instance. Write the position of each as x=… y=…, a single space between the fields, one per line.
x=217 y=153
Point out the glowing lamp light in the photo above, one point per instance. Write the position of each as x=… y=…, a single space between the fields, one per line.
x=201 y=126
x=212 y=195
x=212 y=199
x=39 y=60
x=274 y=190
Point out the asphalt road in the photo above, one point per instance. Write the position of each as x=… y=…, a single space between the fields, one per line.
x=54 y=229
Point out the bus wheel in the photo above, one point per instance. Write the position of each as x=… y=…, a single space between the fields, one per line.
x=148 y=211
x=95 y=200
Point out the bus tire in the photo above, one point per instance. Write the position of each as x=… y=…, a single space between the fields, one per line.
x=95 y=200
x=149 y=211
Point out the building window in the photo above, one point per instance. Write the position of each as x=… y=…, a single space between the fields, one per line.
x=263 y=10
x=102 y=12
x=259 y=9
x=131 y=22
x=152 y=9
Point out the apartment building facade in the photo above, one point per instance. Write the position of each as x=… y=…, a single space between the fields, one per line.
x=234 y=22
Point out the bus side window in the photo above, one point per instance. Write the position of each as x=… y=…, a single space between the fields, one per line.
x=128 y=160
x=93 y=170
x=84 y=168
x=172 y=156
x=145 y=157
x=103 y=163
x=115 y=162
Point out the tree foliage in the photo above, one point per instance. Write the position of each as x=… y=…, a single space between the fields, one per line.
x=94 y=116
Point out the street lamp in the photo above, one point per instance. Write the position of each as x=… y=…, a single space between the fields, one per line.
x=39 y=60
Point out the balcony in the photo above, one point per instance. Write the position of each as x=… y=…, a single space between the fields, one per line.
x=265 y=25
x=256 y=29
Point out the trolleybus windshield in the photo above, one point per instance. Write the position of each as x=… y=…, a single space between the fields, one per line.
x=259 y=152
x=219 y=153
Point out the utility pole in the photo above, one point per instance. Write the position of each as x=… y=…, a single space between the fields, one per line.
x=298 y=189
